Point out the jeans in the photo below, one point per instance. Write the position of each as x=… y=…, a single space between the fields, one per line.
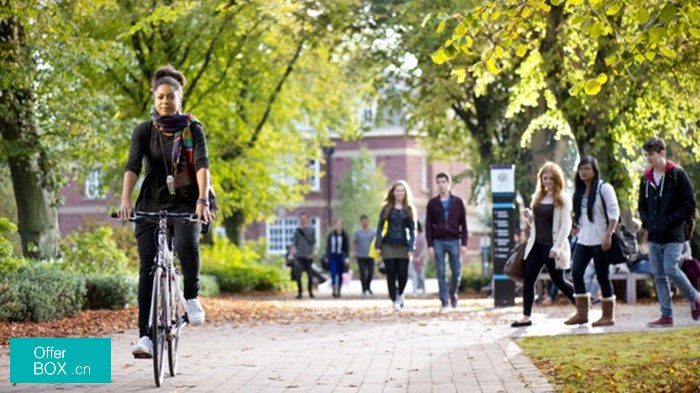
x=450 y=247
x=366 y=273
x=186 y=244
x=396 y=268
x=582 y=257
x=337 y=265
x=418 y=278
x=539 y=257
x=665 y=263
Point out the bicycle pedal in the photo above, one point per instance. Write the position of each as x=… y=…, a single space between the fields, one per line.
x=143 y=356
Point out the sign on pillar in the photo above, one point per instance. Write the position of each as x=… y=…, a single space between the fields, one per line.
x=503 y=197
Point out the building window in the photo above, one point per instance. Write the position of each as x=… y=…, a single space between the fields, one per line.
x=315 y=179
x=368 y=115
x=93 y=184
x=280 y=233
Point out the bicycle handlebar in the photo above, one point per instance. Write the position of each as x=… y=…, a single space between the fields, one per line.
x=138 y=215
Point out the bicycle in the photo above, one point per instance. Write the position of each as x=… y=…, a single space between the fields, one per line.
x=168 y=313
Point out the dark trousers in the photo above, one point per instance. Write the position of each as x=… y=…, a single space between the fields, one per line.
x=396 y=268
x=539 y=257
x=366 y=272
x=303 y=264
x=582 y=256
x=186 y=243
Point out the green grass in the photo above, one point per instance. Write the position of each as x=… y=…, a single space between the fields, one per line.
x=658 y=361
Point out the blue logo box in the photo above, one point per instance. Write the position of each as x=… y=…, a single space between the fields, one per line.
x=60 y=360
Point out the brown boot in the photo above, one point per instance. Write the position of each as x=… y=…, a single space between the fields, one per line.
x=608 y=318
x=583 y=303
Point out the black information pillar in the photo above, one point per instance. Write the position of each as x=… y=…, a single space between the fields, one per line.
x=503 y=195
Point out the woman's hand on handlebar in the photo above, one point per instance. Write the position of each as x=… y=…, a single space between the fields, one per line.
x=203 y=214
x=125 y=210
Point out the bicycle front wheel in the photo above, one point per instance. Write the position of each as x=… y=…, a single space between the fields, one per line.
x=177 y=313
x=159 y=323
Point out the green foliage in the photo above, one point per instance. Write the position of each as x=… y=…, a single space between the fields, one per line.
x=472 y=278
x=360 y=191
x=111 y=292
x=93 y=252
x=614 y=362
x=208 y=285
x=40 y=292
x=6 y=228
x=239 y=269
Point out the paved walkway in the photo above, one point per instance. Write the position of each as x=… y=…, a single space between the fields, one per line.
x=471 y=349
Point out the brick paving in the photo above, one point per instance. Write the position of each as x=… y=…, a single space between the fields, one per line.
x=471 y=349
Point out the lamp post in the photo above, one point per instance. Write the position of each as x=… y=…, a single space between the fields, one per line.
x=328 y=153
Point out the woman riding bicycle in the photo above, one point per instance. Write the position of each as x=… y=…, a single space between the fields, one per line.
x=177 y=180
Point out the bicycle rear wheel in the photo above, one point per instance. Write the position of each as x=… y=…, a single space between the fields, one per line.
x=159 y=323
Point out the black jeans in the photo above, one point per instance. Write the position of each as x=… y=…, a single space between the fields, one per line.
x=582 y=256
x=303 y=264
x=186 y=242
x=538 y=257
x=396 y=268
x=366 y=272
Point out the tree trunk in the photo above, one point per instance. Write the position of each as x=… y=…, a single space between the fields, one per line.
x=32 y=175
x=234 y=227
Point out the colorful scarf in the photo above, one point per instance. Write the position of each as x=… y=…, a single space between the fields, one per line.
x=177 y=126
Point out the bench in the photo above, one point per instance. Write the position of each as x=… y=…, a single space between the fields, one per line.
x=623 y=274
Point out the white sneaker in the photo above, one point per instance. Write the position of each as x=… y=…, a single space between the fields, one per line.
x=195 y=312
x=400 y=300
x=397 y=305
x=444 y=309
x=143 y=348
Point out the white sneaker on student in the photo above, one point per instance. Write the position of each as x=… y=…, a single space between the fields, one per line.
x=195 y=312
x=143 y=348
x=397 y=305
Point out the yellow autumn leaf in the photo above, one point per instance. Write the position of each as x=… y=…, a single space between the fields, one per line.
x=521 y=50
x=460 y=74
x=575 y=2
x=492 y=66
x=642 y=16
x=592 y=87
x=650 y=55
x=498 y=51
x=602 y=78
x=668 y=52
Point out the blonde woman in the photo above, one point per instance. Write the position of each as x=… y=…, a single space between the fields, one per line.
x=548 y=244
x=397 y=243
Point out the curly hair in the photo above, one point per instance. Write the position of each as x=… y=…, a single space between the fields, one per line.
x=168 y=74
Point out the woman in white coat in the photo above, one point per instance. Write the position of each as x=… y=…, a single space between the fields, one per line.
x=548 y=244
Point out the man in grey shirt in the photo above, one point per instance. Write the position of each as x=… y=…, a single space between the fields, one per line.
x=363 y=241
x=304 y=249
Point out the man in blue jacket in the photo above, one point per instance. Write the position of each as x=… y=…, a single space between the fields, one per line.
x=666 y=201
x=446 y=234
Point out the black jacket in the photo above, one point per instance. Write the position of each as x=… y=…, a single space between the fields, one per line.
x=401 y=229
x=345 y=243
x=664 y=208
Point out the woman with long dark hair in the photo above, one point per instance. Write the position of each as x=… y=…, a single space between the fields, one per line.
x=592 y=198
x=397 y=242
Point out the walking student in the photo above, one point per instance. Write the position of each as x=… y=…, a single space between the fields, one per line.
x=363 y=241
x=417 y=264
x=548 y=244
x=666 y=200
x=592 y=199
x=304 y=248
x=397 y=244
x=446 y=234
x=337 y=250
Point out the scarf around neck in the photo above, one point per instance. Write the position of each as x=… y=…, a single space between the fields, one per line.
x=177 y=126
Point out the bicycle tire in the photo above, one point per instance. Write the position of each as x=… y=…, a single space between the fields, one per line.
x=158 y=325
x=174 y=339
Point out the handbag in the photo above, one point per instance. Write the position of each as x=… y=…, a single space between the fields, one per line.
x=624 y=246
x=515 y=264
